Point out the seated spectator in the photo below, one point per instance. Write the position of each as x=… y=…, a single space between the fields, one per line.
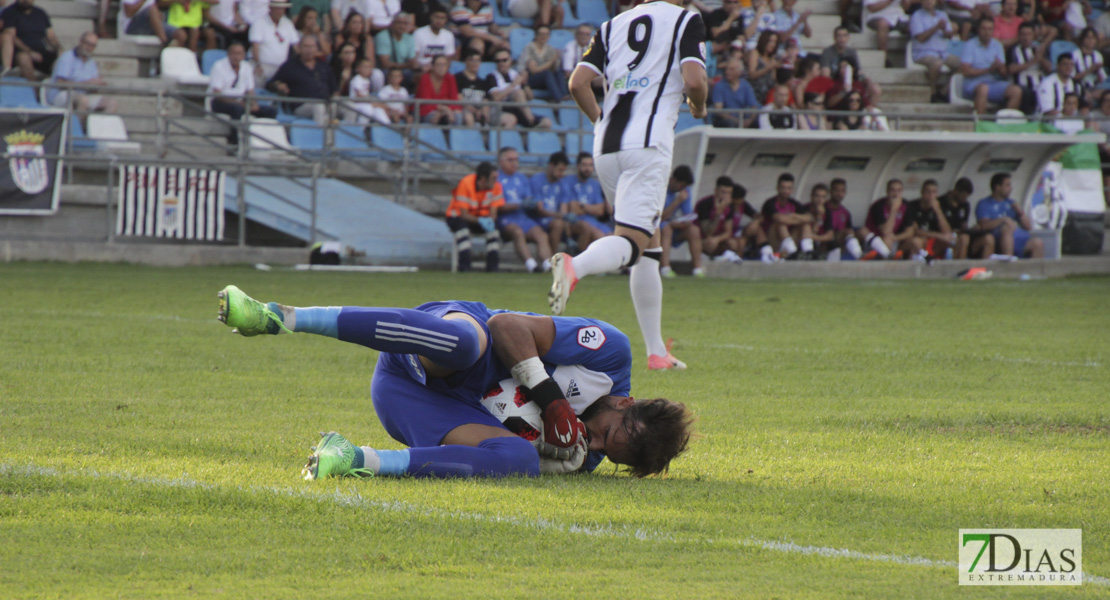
x=509 y=85
x=223 y=25
x=1075 y=19
x=587 y=209
x=548 y=205
x=841 y=62
x=342 y=65
x=473 y=209
x=1006 y=24
x=302 y=76
x=473 y=88
x=763 y=64
x=833 y=233
x=1102 y=28
x=231 y=81
x=855 y=120
x=434 y=39
x=545 y=12
x=271 y=39
x=789 y=22
x=438 y=84
x=308 y=25
x=788 y=64
x=724 y=25
x=715 y=219
x=966 y=13
x=983 y=65
x=1028 y=63
x=786 y=222
x=513 y=220
x=815 y=120
x=379 y=14
x=679 y=221
x=322 y=8
x=1000 y=215
x=935 y=234
x=777 y=115
x=573 y=51
x=28 y=40
x=930 y=30
x=253 y=11
x=354 y=33
x=730 y=95
x=1089 y=71
x=187 y=18
x=1070 y=119
x=1052 y=89
x=957 y=209
x=759 y=17
x=78 y=66
x=748 y=239
x=889 y=225
x=542 y=63
x=396 y=48
x=144 y=17
x=363 y=86
x=885 y=15
x=394 y=95
x=810 y=79
x=473 y=20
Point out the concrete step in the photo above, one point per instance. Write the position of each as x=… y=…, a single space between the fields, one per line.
x=92 y=195
x=73 y=8
x=126 y=48
x=897 y=76
x=179 y=126
x=148 y=84
x=146 y=106
x=819 y=7
x=116 y=66
x=926 y=108
x=70 y=29
x=897 y=93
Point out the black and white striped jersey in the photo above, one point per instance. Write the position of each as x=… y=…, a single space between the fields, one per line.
x=640 y=53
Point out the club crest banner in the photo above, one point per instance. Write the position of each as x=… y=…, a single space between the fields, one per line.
x=186 y=204
x=28 y=183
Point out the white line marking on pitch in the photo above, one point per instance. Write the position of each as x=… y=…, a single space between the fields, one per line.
x=356 y=500
x=905 y=354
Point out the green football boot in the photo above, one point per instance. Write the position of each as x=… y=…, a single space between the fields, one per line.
x=332 y=457
x=249 y=316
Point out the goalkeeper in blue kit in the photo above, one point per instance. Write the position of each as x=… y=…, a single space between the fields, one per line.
x=438 y=359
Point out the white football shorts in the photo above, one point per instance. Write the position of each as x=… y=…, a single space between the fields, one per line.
x=636 y=182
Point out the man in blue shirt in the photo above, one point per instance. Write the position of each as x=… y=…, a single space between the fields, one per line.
x=983 y=65
x=586 y=205
x=1000 y=215
x=512 y=220
x=930 y=30
x=439 y=359
x=549 y=198
x=733 y=92
x=78 y=66
x=679 y=221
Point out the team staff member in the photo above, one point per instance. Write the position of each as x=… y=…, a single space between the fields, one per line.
x=473 y=209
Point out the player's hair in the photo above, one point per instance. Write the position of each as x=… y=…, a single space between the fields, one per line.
x=724 y=181
x=684 y=174
x=819 y=186
x=997 y=179
x=838 y=181
x=1064 y=56
x=785 y=177
x=739 y=192
x=485 y=169
x=581 y=155
x=964 y=185
x=558 y=158
x=659 y=430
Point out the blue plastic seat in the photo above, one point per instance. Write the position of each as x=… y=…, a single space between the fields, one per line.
x=486 y=69
x=572 y=119
x=686 y=121
x=518 y=39
x=500 y=17
x=306 y=137
x=17 y=96
x=350 y=141
x=433 y=140
x=457 y=67
x=541 y=145
x=469 y=143
x=388 y=143
x=560 y=38
x=541 y=109
x=1061 y=47
x=209 y=58
x=78 y=141
x=506 y=138
x=593 y=12
x=579 y=143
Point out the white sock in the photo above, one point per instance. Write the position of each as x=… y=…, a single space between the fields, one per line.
x=664 y=271
x=807 y=245
x=765 y=251
x=545 y=266
x=788 y=247
x=607 y=254
x=647 y=296
x=530 y=264
x=879 y=246
x=853 y=248
x=834 y=255
x=923 y=254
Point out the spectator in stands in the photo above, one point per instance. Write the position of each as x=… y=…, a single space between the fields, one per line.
x=303 y=76
x=545 y=12
x=815 y=119
x=513 y=221
x=957 y=209
x=930 y=30
x=394 y=95
x=933 y=232
x=542 y=63
x=852 y=104
x=363 y=86
x=762 y=65
x=587 y=209
x=1070 y=119
x=509 y=85
x=809 y=79
x=724 y=25
x=342 y=65
x=823 y=238
x=679 y=221
x=28 y=40
x=748 y=239
x=253 y=11
x=889 y=225
x=1052 y=89
x=354 y=33
x=999 y=214
x=759 y=17
x=789 y=22
x=1028 y=64
x=573 y=51
x=322 y=8
x=1006 y=24
x=396 y=48
x=379 y=14
x=777 y=115
x=143 y=17
x=786 y=222
x=1075 y=18
x=1088 y=64
x=421 y=11
x=187 y=18
x=965 y=13
x=230 y=82
x=438 y=84
x=833 y=233
x=271 y=40
x=1102 y=28
x=730 y=95
x=473 y=20
x=983 y=65
x=473 y=209
x=549 y=198
x=715 y=219
x=308 y=25
x=788 y=64
x=434 y=39
x=841 y=62
x=885 y=15
x=79 y=66
x=224 y=25
x=473 y=88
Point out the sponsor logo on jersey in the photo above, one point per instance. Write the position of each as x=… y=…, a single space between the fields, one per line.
x=629 y=82
x=572 y=389
x=591 y=337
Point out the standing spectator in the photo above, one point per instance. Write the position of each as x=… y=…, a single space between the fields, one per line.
x=513 y=221
x=231 y=81
x=832 y=65
x=434 y=39
x=884 y=15
x=815 y=119
x=224 y=25
x=957 y=209
x=930 y=30
x=1088 y=64
x=573 y=51
x=342 y=65
x=473 y=19
x=542 y=63
x=473 y=88
x=1028 y=64
x=395 y=94
x=396 y=48
x=545 y=12
x=143 y=17
x=379 y=14
x=473 y=209
x=509 y=85
x=762 y=65
x=549 y=198
x=271 y=39
x=78 y=66
x=889 y=225
x=302 y=76
x=187 y=18
x=308 y=25
x=1052 y=89
x=364 y=85
x=788 y=22
x=732 y=94
x=983 y=65
x=934 y=232
x=586 y=203
x=786 y=222
x=832 y=221
x=28 y=40
x=1000 y=215
x=354 y=32
x=777 y=115
x=679 y=221
x=438 y=84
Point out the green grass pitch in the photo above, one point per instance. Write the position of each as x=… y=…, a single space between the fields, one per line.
x=848 y=430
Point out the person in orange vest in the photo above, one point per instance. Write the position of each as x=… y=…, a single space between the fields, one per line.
x=473 y=209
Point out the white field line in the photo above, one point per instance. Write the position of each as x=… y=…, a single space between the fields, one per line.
x=1090 y=363
x=610 y=531
x=91 y=314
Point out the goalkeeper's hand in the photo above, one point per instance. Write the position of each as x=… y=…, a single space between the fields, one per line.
x=562 y=431
x=568 y=465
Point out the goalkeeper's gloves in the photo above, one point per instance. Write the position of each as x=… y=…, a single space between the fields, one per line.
x=569 y=465
x=562 y=430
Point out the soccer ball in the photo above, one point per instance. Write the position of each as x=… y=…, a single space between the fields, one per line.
x=519 y=415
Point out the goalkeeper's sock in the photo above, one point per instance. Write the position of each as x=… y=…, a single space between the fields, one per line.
x=495 y=457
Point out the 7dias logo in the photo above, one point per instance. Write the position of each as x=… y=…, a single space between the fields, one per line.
x=1021 y=556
